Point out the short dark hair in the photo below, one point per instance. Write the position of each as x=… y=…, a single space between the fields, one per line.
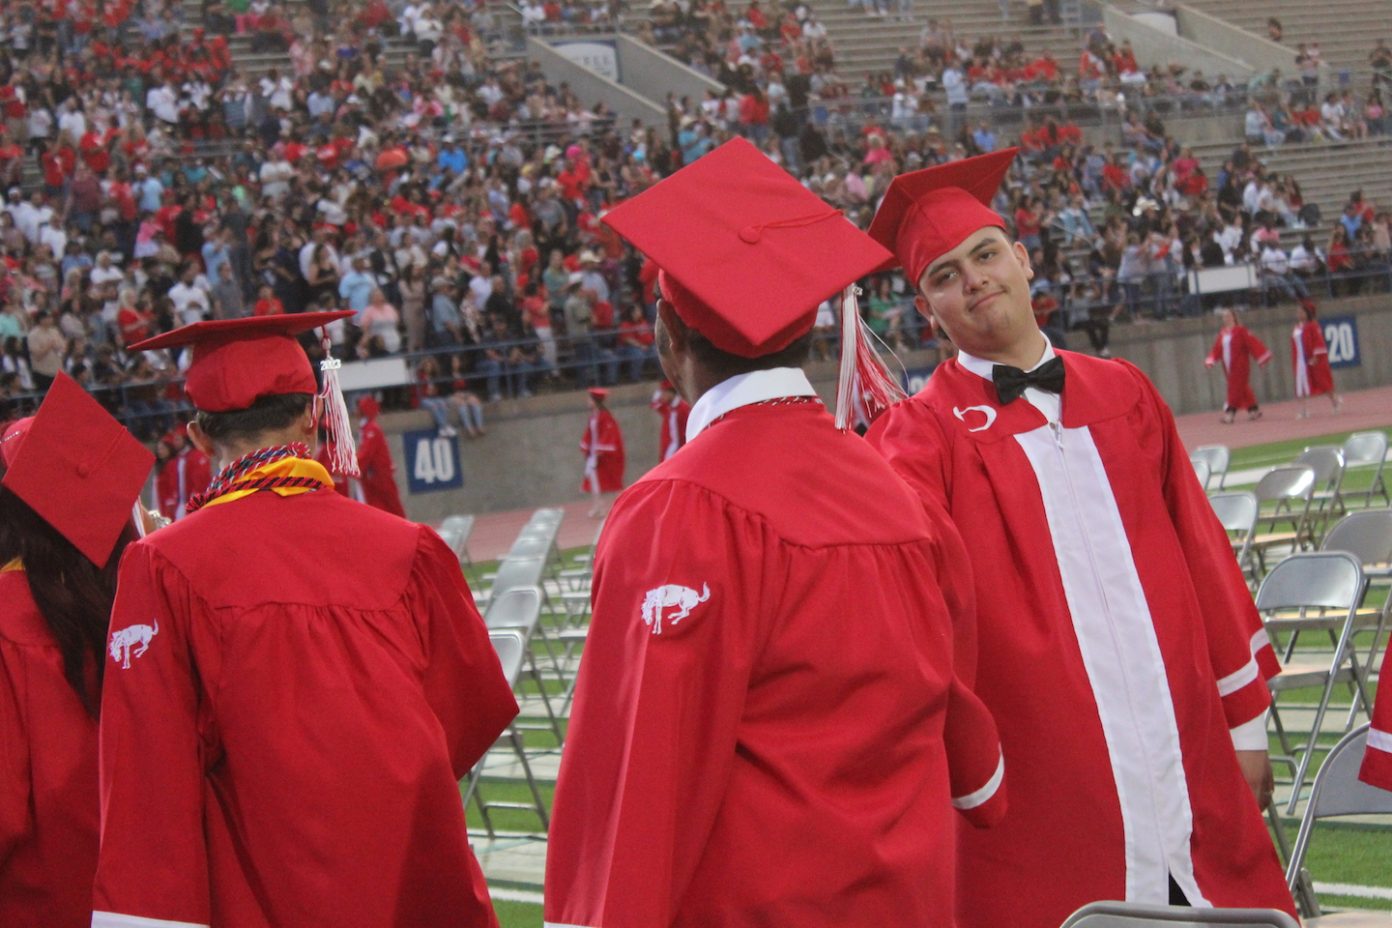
x=267 y=414
x=726 y=365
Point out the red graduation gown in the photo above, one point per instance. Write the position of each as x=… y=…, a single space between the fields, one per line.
x=775 y=754
x=48 y=775
x=308 y=679
x=375 y=465
x=1236 y=349
x=1310 y=360
x=1119 y=644
x=602 y=445
x=672 y=416
x=1377 y=762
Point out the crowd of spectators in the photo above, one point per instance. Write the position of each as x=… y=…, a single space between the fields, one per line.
x=453 y=200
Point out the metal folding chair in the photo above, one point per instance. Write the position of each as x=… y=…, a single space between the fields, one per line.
x=455 y=530
x=1328 y=464
x=1312 y=591
x=1237 y=511
x=1367 y=535
x=1137 y=915
x=520 y=609
x=1337 y=791
x=1217 y=458
x=1201 y=470
x=1290 y=490
x=1368 y=449
x=511 y=647
x=512 y=573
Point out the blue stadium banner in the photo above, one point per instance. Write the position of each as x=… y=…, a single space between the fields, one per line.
x=432 y=462
x=916 y=378
x=1341 y=335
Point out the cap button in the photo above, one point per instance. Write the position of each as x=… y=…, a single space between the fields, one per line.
x=84 y=469
x=750 y=235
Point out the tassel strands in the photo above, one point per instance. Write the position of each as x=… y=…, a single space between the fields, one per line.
x=343 y=452
x=863 y=378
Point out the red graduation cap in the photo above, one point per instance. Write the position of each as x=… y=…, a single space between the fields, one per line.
x=77 y=467
x=927 y=213
x=747 y=253
x=238 y=361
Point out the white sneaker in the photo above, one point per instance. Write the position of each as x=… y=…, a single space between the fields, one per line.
x=447 y=432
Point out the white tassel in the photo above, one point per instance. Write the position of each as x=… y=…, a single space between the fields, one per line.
x=845 y=377
x=343 y=450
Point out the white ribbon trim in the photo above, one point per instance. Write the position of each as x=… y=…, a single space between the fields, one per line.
x=983 y=795
x=118 y=920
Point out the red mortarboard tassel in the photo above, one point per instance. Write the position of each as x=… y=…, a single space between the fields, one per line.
x=343 y=450
x=863 y=376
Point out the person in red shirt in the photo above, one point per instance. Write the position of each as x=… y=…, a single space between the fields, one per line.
x=135 y=320
x=267 y=304
x=375 y=461
x=320 y=679
x=634 y=340
x=69 y=482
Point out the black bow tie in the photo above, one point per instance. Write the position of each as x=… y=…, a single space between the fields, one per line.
x=1011 y=381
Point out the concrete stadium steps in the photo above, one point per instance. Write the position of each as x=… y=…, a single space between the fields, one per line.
x=1327 y=171
x=869 y=44
x=1345 y=29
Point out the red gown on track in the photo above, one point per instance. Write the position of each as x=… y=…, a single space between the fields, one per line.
x=1310 y=360
x=1236 y=349
x=602 y=445
x=375 y=465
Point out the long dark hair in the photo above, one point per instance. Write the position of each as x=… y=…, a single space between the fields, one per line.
x=73 y=595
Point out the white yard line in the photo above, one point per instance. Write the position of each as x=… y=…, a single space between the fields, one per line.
x=522 y=895
x=1357 y=892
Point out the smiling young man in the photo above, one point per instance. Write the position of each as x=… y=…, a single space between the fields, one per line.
x=1120 y=650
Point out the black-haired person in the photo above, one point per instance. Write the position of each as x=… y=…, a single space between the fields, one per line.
x=69 y=478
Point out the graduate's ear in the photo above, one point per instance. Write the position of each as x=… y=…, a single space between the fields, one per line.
x=309 y=420
x=924 y=310
x=673 y=326
x=1022 y=255
x=200 y=439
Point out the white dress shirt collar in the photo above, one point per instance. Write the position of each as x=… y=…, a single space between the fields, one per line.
x=1050 y=405
x=745 y=390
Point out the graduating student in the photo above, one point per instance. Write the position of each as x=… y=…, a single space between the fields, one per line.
x=1310 y=361
x=71 y=476
x=1122 y=656
x=603 y=447
x=310 y=680
x=1377 y=761
x=375 y=461
x=672 y=412
x=1236 y=348
x=769 y=727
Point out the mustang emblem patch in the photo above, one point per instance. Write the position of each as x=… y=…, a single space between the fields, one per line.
x=135 y=637
x=671 y=596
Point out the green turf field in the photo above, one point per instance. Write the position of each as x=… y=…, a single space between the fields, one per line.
x=1356 y=853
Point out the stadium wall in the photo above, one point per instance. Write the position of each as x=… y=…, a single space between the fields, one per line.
x=531 y=455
